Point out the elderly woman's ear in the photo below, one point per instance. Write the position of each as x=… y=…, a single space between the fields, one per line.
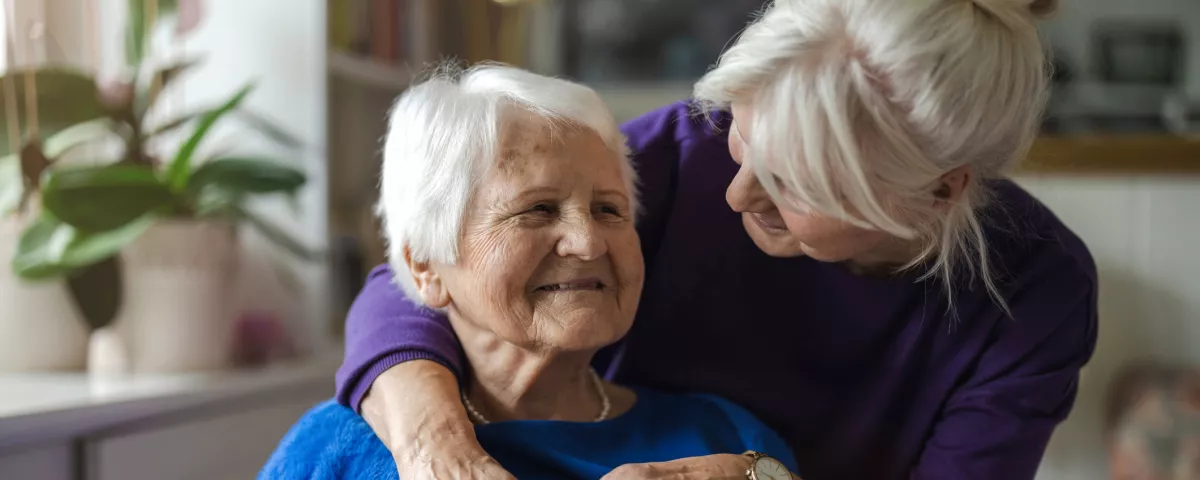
x=429 y=283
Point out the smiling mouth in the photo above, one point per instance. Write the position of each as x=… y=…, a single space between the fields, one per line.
x=769 y=226
x=585 y=284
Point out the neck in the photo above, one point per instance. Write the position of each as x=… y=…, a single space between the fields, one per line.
x=511 y=382
x=886 y=259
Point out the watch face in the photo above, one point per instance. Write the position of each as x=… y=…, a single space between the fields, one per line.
x=767 y=468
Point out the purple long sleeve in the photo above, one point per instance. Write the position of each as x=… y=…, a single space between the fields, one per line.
x=384 y=329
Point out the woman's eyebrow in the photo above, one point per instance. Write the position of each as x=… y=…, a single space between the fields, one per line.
x=535 y=191
x=607 y=192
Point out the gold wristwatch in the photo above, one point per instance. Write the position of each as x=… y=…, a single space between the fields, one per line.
x=763 y=467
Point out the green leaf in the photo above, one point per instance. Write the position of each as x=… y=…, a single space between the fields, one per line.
x=49 y=248
x=253 y=120
x=89 y=248
x=64 y=98
x=97 y=290
x=98 y=199
x=11 y=186
x=173 y=124
x=76 y=136
x=40 y=248
x=181 y=166
x=278 y=236
x=138 y=28
x=269 y=129
x=147 y=97
x=246 y=176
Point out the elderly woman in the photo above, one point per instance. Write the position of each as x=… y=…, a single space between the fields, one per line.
x=508 y=203
x=832 y=243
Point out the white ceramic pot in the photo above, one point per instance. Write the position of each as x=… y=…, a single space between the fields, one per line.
x=178 y=311
x=41 y=328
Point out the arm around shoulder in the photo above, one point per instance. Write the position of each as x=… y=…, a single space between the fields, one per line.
x=400 y=373
x=384 y=329
x=414 y=409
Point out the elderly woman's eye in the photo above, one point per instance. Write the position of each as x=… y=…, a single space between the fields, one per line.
x=541 y=208
x=611 y=211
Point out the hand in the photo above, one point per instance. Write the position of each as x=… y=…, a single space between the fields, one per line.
x=723 y=466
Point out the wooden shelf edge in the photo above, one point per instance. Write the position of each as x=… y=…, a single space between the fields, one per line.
x=367 y=72
x=1113 y=155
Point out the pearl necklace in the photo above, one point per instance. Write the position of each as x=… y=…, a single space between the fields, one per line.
x=605 y=403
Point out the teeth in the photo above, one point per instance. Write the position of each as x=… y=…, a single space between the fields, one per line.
x=562 y=286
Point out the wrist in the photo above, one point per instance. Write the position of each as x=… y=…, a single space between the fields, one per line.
x=435 y=430
x=419 y=453
x=414 y=407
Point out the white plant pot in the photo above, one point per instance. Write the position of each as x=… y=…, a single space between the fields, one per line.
x=178 y=312
x=41 y=328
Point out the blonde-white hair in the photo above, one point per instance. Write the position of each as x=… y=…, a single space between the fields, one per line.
x=443 y=136
x=862 y=105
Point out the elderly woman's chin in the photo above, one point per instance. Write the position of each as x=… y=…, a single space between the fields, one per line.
x=556 y=316
x=579 y=321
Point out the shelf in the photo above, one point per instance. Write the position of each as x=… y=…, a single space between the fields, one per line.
x=52 y=403
x=368 y=73
x=1113 y=155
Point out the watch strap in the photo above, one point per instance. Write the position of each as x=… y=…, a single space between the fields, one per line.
x=754 y=456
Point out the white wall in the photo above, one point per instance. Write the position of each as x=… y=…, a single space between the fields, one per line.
x=279 y=45
x=1144 y=233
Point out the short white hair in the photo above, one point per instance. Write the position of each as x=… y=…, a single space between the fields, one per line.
x=864 y=104
x=443 y=137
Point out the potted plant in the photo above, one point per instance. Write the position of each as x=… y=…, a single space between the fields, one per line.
x=172 y=220
x=41 y=328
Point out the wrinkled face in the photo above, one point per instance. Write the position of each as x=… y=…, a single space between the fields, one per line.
x=548 y=256
x=790 y=230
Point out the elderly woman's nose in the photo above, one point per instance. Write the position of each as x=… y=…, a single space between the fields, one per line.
x=746 y=194
x=581 y=238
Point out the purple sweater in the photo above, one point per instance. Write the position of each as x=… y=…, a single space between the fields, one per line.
x=865 y=377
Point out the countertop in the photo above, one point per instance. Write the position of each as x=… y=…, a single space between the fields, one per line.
x=48 y=405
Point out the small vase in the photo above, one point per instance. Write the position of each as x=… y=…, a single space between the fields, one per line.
x=41 y=328
x=178 y=313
